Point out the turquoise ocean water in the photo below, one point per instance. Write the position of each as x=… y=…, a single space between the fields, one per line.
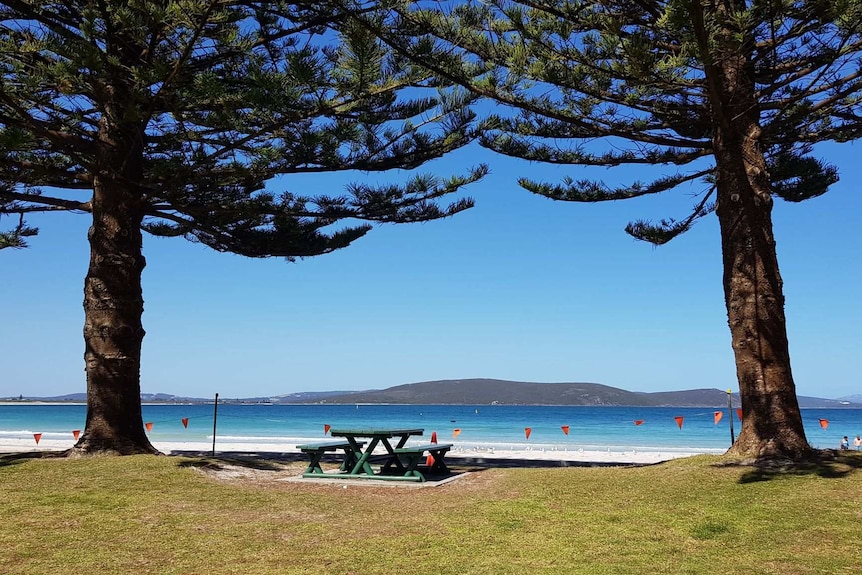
x=481 y=426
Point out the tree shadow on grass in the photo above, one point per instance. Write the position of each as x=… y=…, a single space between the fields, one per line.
x=7 y=459
x=827 y=463
x=272 y=461
x=502 y=462
x=267 y=461
x=229 y=464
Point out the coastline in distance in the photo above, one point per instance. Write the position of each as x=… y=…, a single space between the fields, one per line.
x=483 y=392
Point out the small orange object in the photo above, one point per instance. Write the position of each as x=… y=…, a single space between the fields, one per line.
x=456 y=432
x=639 y=421
x=679 y=419
x=149 y=425
x=739 y=413
x=565 y=429
x=185 y=421
x=76 y=433
x=326 y=428
x=433 y=437
x=824 y=423
x=528 y=431
x=429 y=461
x=37 y=437
x=717 y=415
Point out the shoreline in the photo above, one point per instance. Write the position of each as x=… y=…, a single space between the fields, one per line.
x=466 y=453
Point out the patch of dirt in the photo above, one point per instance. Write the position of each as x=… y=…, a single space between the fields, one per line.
x=246 y=472
x=275 y=474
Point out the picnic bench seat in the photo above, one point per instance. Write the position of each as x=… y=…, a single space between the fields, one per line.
x=415 y=454
x=317 y=450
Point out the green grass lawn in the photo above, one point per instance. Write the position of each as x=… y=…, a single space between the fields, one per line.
x=172 y=515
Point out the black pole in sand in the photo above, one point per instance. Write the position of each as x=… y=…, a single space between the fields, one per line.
x=215 y=419
x=730 y=413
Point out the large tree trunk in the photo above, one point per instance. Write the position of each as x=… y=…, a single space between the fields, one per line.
x=772 y=423
x=113 y=301
x=753 y=290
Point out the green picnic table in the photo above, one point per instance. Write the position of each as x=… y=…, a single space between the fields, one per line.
x=400 y=462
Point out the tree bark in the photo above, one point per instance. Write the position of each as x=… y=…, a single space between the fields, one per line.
x=772 y=423
x=113 y=300
x=753 y=289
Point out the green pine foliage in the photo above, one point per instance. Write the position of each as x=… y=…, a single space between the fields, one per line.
x=633 y=74
x=224 y=97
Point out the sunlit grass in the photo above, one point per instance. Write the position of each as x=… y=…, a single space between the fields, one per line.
x=138 y=515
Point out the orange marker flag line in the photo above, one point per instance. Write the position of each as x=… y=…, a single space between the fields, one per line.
x=185 y=421
x=429 y=461
x=433 y=437
x=326 y=428
x=456 y=432
x=528 y=431
x=739 y=413
x=824 y=423
x=37 y=437
x=679 y=419
x=639 y=421
x=76 y=433
x=149 y=425
x=565 y=429
x=717 y=415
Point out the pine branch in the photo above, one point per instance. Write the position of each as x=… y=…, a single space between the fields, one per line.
x=36 y=198
x=666 y=230
x=591 y=191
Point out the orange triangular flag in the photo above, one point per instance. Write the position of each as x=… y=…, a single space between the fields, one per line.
x=565 y=429
x=824 y=423
x=456 y=432
x=528 y=431
x=185 y=421
x=76 y=433
x=739 y=413
x=717 y=416
x=679 y=420
x=433 y=437
x=639 y=421
x=429 y=461
x=149 y=425
x=326 y=428
x=37 y=437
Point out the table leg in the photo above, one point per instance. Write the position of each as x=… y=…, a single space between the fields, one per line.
x=402 y=441
x=393 y=460
x=412 y=464
x=362 y=465
x=350 y=460
x=439 y=465
x=314 y=467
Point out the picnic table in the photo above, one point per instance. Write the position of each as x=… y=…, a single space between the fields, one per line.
x=400 y=462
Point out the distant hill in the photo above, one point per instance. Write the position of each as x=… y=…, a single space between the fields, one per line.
x=489 y=391
x=496 y=391
x=308 y=396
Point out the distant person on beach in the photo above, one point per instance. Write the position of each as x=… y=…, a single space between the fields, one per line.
x=845 y=443
x=857 y=443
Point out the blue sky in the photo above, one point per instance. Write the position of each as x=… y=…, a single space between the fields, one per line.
x=519 y=288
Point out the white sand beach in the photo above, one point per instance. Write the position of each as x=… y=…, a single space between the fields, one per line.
x=472 y=454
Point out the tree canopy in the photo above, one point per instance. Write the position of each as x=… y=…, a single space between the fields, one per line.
x=635 y=73
x=224 y=96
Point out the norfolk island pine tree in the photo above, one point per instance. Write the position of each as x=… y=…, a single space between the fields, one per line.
x=733 y=95
x=172 y=117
